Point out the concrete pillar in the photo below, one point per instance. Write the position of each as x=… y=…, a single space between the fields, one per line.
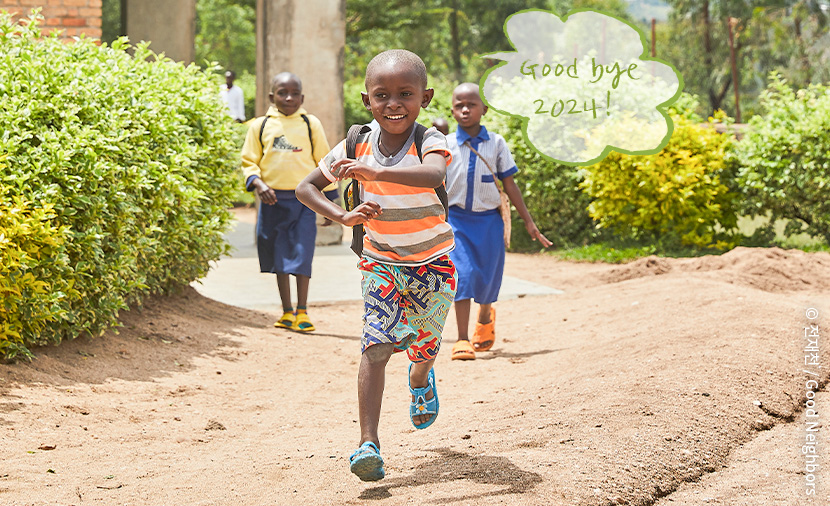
x=306 y=37
x=170 y=26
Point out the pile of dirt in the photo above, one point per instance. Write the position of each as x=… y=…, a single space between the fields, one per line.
x=768 y=269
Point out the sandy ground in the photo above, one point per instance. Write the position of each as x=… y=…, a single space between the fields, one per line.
x=661 y=382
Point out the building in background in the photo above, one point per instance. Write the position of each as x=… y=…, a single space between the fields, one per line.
x=74 y=17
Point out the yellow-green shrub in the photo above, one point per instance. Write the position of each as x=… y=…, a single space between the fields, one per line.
x=34 y=275
x=679 y=196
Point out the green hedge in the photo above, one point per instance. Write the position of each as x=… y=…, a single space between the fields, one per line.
x=550 y=191
x=785 y=159
x=125 y=167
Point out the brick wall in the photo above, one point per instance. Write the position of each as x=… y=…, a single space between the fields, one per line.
x=74 y=17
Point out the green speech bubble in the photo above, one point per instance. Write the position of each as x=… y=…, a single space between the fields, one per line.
x=583 y=86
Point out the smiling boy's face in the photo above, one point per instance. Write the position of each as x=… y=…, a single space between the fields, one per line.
x=395 y=95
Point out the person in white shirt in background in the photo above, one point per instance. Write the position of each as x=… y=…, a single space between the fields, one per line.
x=233 y=96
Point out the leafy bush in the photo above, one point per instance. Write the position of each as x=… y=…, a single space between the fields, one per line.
x=121 y=167
x=785 y=158
x=550 y=191
x=679 y=196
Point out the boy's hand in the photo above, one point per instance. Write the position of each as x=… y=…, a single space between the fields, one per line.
x=265 y=193
x=362 y=213
x=535 y=234
x=347 y=168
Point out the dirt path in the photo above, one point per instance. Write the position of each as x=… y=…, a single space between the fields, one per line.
x=662 y=381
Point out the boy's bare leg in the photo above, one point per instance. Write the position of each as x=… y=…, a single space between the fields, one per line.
x=418 y=378
x=284 y=287
x=370 y=383
x=462 y=317
x=484 y=313
x=302 y=290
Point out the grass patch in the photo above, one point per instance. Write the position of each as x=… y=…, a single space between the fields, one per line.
x=602 y=252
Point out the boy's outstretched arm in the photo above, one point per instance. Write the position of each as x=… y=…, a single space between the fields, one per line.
x=430 y=174
x=310 y=193
x=512 y=190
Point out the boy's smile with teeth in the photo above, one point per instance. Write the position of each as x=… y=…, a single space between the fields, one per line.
x=395 y=95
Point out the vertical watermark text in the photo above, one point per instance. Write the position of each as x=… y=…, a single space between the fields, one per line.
x=810 y=448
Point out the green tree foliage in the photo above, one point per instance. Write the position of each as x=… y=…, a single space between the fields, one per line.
x=789 y=36
x=226 y=34
x=111 y=25
x=449 y=35
x=785 y=160
x=119 y=174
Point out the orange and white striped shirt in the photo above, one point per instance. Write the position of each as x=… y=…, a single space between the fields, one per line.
x=412 y=230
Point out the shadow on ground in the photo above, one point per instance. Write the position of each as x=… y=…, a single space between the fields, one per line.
x=452 y=466
x=161 y=338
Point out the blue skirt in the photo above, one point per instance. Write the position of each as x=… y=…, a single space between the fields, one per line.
x=285 y=234
x=479 y=253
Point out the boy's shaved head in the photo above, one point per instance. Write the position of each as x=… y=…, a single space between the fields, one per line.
x=396 y=57
x=466 y=88
x=284 y=77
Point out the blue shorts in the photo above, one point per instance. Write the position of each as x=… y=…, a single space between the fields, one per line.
x=406 y=306
x=285 y=235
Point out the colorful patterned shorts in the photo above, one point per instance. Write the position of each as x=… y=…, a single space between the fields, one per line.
x=407 y=306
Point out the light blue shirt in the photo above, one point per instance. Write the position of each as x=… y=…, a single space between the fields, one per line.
x=470 y=184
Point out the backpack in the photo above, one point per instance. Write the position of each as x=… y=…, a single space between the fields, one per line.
x=352 y=197
x=307 y=124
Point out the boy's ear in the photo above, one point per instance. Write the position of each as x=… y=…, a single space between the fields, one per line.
x=271 y=97
x=485 y=111
x=365 y=98
x=427 y=98
x=302 y=99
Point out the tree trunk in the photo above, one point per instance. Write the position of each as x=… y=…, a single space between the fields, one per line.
x=714 y=102
x=456 y=43
x=802 y=51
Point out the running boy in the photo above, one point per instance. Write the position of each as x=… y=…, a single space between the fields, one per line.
x=476 y=222
x=408 y=279
x=280 y=149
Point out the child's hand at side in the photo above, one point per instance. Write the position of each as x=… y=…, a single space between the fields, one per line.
x=535 y=234
x=362 y=213
x=348 y=168
x=265 y=193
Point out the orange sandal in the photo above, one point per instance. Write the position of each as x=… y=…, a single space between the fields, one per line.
x=485 y=334
x=463 y=350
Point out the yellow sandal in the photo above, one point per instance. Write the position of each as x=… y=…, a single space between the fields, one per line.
x=286 y=321
x=302 y=323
